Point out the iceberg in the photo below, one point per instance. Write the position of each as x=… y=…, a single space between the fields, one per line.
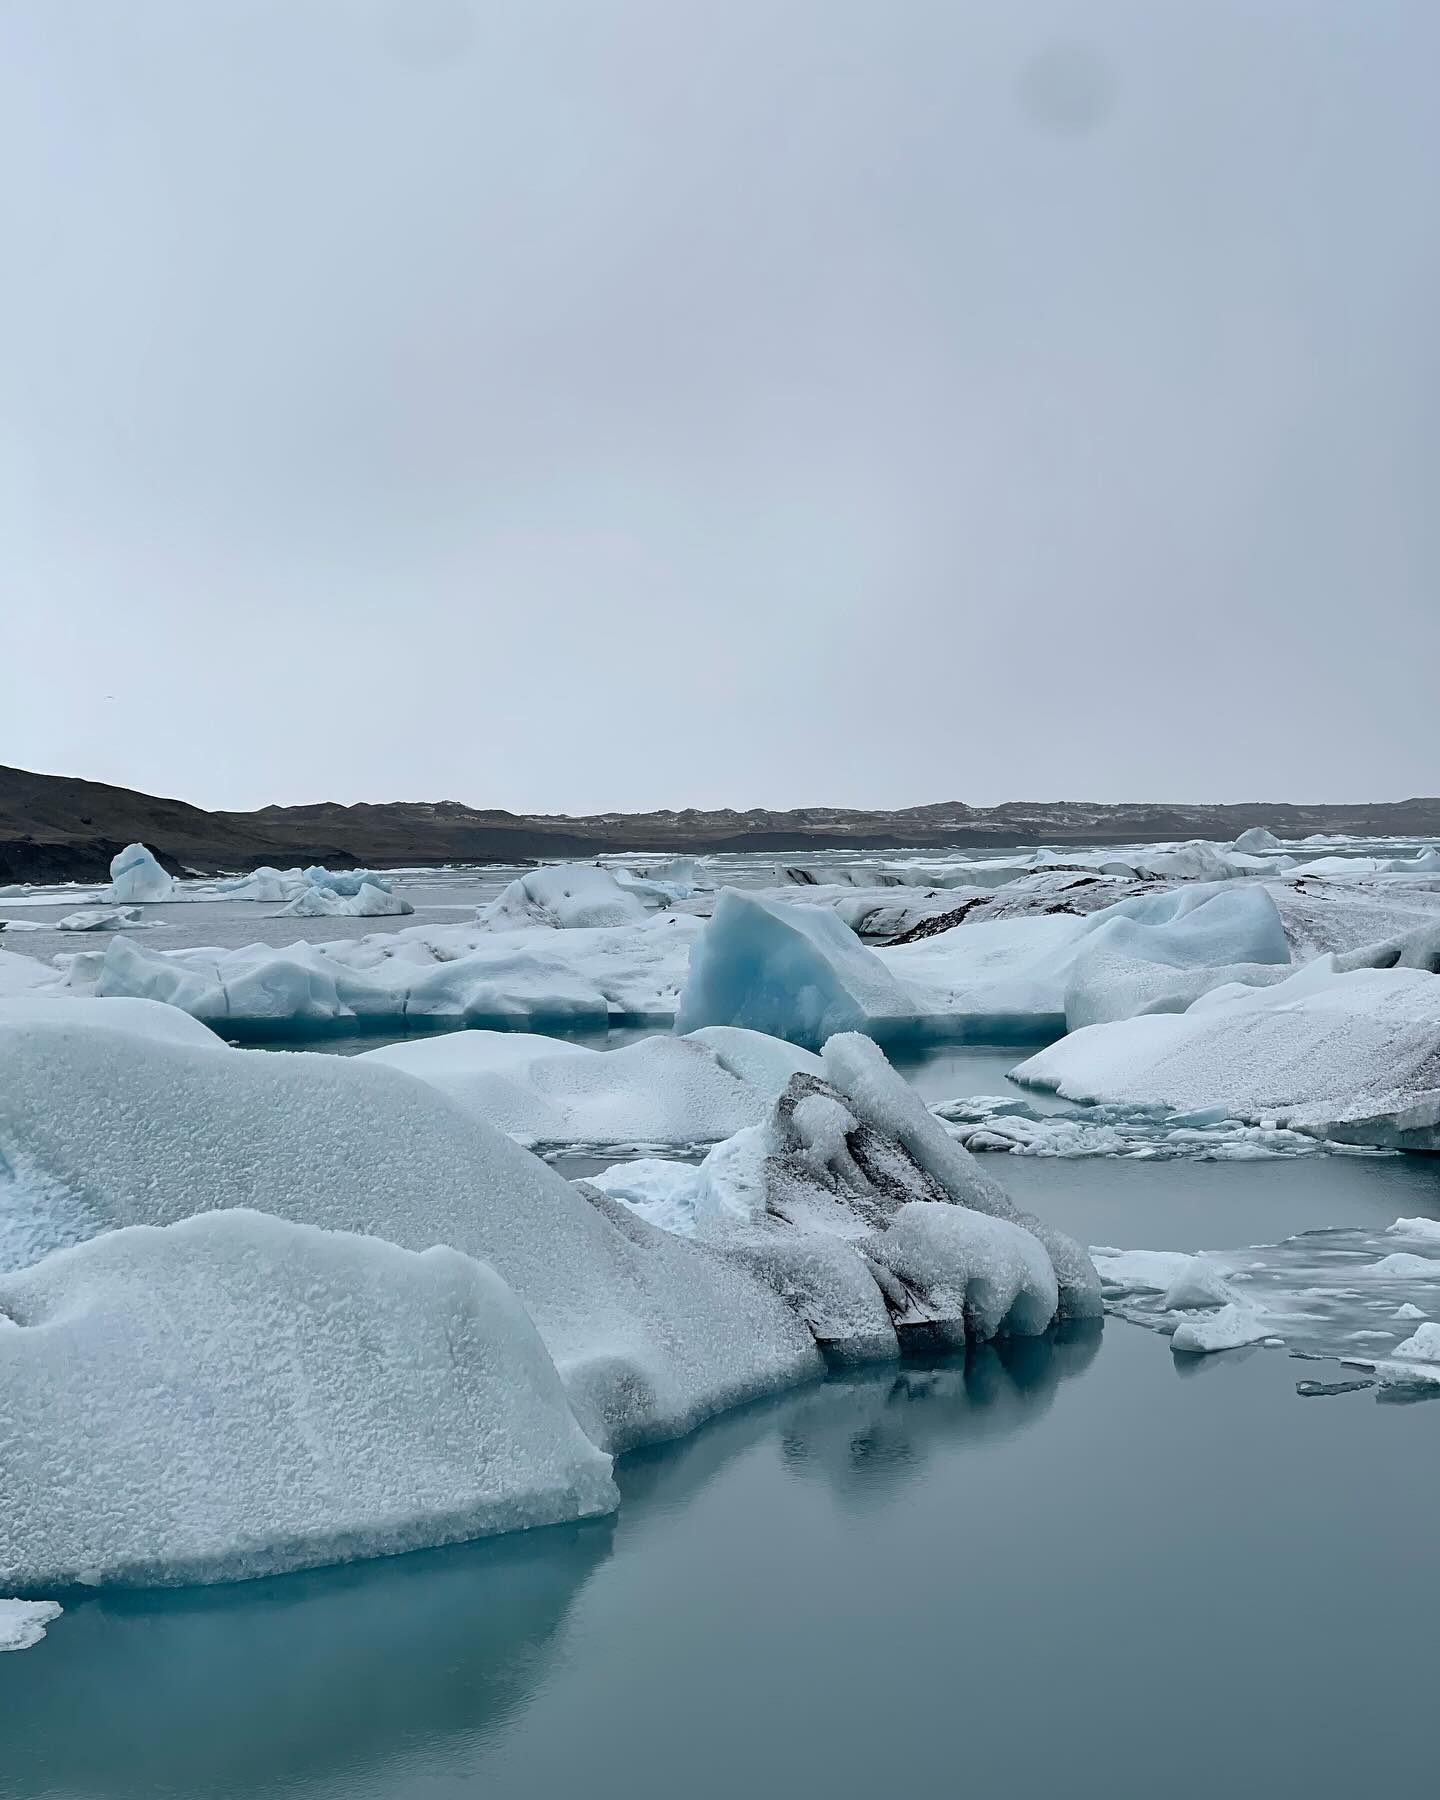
x=1159 y=952
x=1257 y=841
x=1349 y=1056
x=789 y=971
x=254 y=1395
x=575 y=897
x=136 y=876
x=668 y=1090
x=326 y=902
x=100 y=1131
x=835 y=1201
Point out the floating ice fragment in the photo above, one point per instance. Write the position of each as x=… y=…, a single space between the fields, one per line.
x=23 y=1622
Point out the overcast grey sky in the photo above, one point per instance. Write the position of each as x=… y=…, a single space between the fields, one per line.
x=585 y=404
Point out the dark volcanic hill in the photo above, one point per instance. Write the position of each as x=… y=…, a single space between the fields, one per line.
x=57 y=828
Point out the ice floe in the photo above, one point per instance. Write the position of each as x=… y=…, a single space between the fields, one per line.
x=1348 y=1294
x=23 y=1622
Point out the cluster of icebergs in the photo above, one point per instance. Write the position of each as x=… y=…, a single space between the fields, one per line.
x=259 y=1312
x=136 y=877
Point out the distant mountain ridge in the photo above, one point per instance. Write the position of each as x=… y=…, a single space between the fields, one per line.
x=60 y=828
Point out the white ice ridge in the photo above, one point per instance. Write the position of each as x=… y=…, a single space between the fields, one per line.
x=1352 y=1056
x=667 y=1090
x=302 y=1308
x=997 y=1122
x=1348 y=1294
x=23 y=1622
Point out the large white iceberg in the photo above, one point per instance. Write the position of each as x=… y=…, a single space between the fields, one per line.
x=668 y=1090
x=575 y=896
x=234 y=1395
x=135 y=875
x=100 y=1131
x=1353 y=1056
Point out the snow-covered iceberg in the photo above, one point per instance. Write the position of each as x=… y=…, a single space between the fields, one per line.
x=575 y=896
x=1353 y=1056
x=234 y=1395
x=324 y=902
x=665 y=1090
x=101 y=1130
x=136 y=876
x=836 y=1201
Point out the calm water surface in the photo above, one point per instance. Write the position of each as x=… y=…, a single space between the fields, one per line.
x=1074 y=1568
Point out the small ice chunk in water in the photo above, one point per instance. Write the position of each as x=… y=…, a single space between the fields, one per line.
x=1408 y=1311
x=23 y=1622
x=1229 y=1329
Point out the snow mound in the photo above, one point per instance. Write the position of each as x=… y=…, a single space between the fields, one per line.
x=1350 y=1056
x=326 y=902
x=661 y=1090
x=575 y=897
x=135 y=875
x=100 y=1132
x=790 y=971
x=23 y=1622
x=234 y=1395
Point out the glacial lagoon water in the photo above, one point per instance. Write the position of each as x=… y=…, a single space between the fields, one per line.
x=1082 y=1565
